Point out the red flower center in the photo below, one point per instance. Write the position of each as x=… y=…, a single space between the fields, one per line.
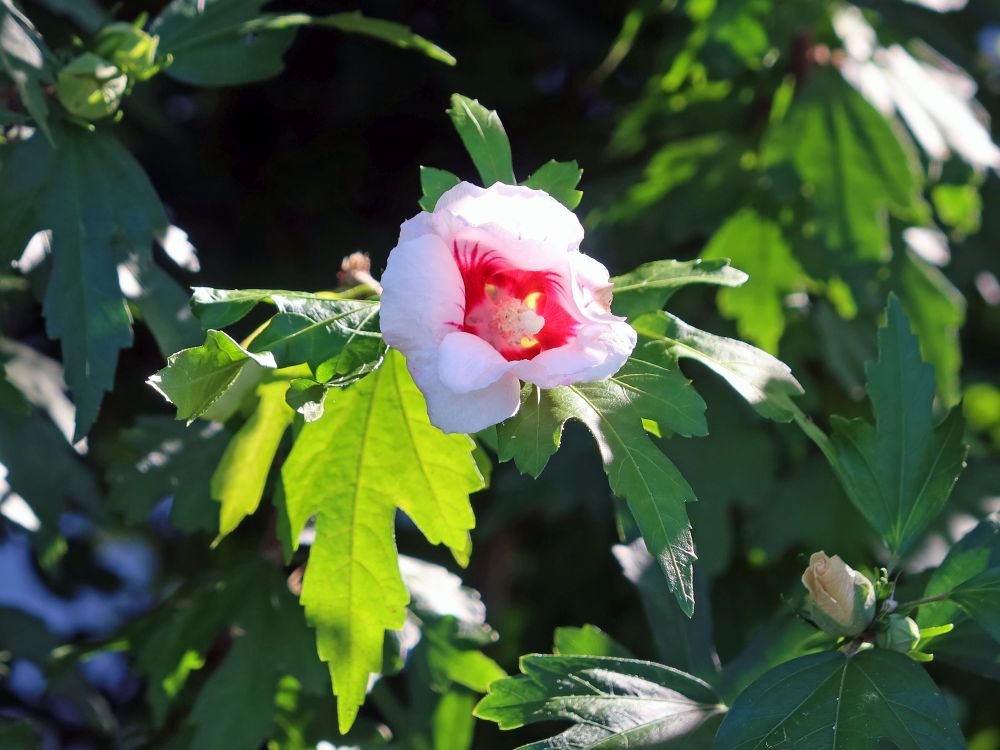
x=519 y=313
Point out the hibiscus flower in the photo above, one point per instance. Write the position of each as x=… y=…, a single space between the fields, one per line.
x=491 y=289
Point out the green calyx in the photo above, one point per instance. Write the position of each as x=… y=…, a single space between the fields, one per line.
x=901 y=634
x=90 y=87
x=130 y=48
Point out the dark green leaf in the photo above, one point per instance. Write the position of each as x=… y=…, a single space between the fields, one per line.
x=162 y=304
x=372 y=451
x=980 y=598
x=766 y=383
x=161 y=457
x=613 y=703
x=449 y=659
x=975 y=553
x=23 y=57
x=435 y=183
x=485 y=139
x=307 y=397
x=227 y=42
x=559 y=179
x=649 y=287
x=829 y=700
x=900 y=471
x=195 y=379
x=647 y=393
x=99 y=206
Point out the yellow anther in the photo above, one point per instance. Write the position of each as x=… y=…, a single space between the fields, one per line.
x=527 y=342
x=531 y=301
x=492 y=291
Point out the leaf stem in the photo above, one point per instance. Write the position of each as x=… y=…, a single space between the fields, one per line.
x=907 y=606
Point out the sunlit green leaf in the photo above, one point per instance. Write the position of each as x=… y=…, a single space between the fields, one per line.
x=756 y=245
x=195 y=379
x=612 y=702
x=559 y=179
x=649 y=287
x=854 y=166
x=372 y=451
x=485 y=139
x=434 y=183
x=766 y=383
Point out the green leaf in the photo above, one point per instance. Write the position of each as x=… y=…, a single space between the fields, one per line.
x=975 y=553
x=683 y=642
x=612 y=702
x=829 y=700
x=649 y=287
x=372 y=451
x=219 y=308
x=900 y=471
x=338 y=339
x=238 y=482
x=450 y=660
x=766 y=383
x=937 y=310
x=387 y=31
x=18 y=735
x=485 y=139
x=160 y=457
x=435 y=183
x=757 y=245
x=648 y=392
x=194 y=379
x=307 y=397
x=99 y=205
x=559 y=179
x=589 y=640
x=453 y=724
x=227 y=42
x=980 y=598
x=11 y=398
x=162 y=304
x=855 y=168
x=23 y=58
x=958 y=206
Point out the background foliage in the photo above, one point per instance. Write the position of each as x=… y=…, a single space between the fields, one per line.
x=778 y=135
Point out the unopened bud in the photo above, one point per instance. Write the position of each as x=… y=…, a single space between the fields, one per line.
x=356 y=269
x=900 y=634
x=130 y=48
x=90 y=87
x=841 y=600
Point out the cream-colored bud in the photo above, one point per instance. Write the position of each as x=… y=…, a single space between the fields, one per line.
x=841 y=600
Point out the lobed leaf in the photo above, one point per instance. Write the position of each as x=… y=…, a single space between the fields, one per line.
x=372 y=451
x=899 y=471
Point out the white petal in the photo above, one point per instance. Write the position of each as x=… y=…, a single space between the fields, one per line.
x=423 y=296
x=463 y=412
x=529 y=228
x=598 y=352
x=468 y=363
x=418 y=226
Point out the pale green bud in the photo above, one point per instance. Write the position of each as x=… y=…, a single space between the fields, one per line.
x=130 y=48
x=901 y=634
x=90 y=87
x=841 y=600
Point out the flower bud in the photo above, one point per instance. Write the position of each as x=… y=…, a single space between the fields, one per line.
x=901 y=634
x=130 y=48
x=90 y=87
x=841 y=600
